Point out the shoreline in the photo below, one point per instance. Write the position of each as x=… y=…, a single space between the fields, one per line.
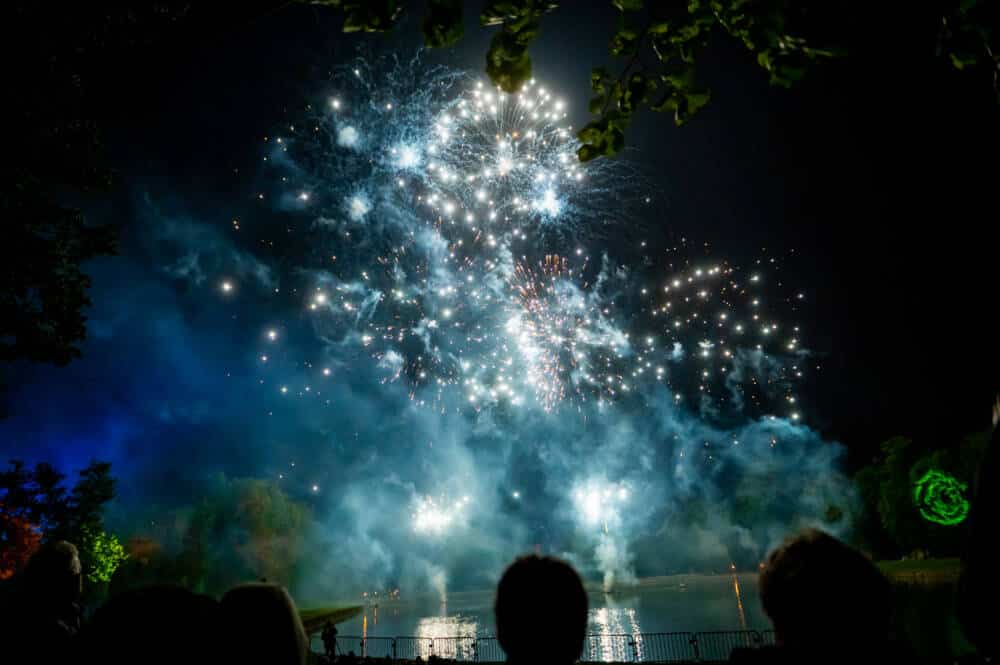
x=908 y=571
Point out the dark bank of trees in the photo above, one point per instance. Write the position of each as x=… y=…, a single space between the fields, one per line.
x=242 y=529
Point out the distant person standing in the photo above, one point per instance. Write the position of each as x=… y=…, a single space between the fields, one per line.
x=329 y=636
x=541 y=612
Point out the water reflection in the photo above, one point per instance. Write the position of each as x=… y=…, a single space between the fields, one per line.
x=649 y=622
x=447 y=637
x=614 y=633
x=739 y=602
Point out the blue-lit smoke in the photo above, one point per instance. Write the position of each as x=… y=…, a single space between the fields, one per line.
x=491 y=376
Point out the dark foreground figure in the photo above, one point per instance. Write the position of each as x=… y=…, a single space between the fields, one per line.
x=541 y=612
x=40 y=612
x=828 y=603
x=156 y=625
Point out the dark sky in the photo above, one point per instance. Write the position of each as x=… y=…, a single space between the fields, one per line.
x=878 y=170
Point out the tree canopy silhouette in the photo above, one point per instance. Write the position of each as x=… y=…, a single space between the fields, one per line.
x=659 y=45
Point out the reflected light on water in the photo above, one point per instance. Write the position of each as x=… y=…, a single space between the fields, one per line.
x=454 y=637
x=739 y=602
x=610 y=629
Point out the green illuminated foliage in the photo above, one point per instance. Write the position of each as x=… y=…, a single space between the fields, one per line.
x=104 y=553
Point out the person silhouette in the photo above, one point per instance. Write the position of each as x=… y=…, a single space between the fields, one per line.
x=329 y=636
x=41 y=615
x=541 y=611
x=160 y=624
x=267 y=623
x=814 y=586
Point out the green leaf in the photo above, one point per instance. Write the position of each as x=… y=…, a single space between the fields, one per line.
x=963 y=60
x=697 y=100
x=601 y=137
x=507 y=63
x=636 y=91
x=624 y=42
x=599 y=78
x=443 y=25
x=507 y=12
x=526 y=32
x=371 y=15
x=585 y=153
x=592 y=131
x=627 y=5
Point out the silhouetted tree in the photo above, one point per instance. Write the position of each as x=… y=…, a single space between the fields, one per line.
x=244 y=529
x=892 y=524
x=19 y=539
x=38 y=497
x=661 y=43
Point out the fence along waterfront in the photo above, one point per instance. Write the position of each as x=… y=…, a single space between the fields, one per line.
x=680 y=647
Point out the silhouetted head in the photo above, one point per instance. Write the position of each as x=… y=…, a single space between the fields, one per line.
x=264 y=626
x=54 y=573
x=541 y=611
x=819 y=593
x=163 y=624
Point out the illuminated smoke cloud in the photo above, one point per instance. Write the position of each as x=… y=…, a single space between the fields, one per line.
x=504 y=375
x=348 y=137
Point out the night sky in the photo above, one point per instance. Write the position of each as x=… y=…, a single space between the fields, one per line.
x=873 y=180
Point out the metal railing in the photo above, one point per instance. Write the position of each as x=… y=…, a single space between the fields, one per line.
x=702 y=647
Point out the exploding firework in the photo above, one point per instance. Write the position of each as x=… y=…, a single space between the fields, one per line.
x=503 y=160
x=599 y=503
x=431 y=201
x=434 y=517
x=563 y=337
x=715 y=332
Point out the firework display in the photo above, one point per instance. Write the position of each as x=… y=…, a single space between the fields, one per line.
x=443 y=237
x=435 y=200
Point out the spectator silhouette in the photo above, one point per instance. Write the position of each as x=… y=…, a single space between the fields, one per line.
x=978 y=587
x=41 y=611
x=541 y=611
x=264 y=625
x=827 y=601
x=156 y=625
x=329 y=636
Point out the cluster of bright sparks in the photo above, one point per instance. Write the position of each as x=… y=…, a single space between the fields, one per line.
x=432 y=220
x=498 y=160
x=600 y=503
x=442 y=224
x=436 y=516
x=560 y=332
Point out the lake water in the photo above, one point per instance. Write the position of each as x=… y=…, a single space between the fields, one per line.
x=622 y=625
x=690 y=603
